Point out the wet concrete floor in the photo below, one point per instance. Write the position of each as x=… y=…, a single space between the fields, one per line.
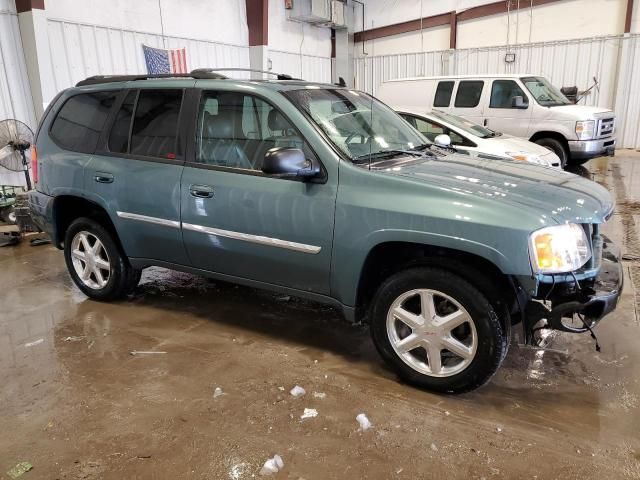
x=76 y=404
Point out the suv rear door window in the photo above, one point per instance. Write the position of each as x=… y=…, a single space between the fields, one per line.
x=79 y=122
x=155 y=125
x=443 y=94
x=119 y=136
x=469 y=92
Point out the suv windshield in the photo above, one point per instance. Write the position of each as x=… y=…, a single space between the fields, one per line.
x=465 y=125
x=545 y=94
x=358 y=124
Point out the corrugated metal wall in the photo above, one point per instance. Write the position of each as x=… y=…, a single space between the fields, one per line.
x=80 y=50
x=15 y=94
x=308 y=67
x=566 y=63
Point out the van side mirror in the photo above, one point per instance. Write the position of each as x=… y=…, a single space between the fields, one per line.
x=289 y=162
x=518 y=102
x=443 y=140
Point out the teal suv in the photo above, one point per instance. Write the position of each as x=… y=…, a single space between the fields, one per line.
x=323 y=192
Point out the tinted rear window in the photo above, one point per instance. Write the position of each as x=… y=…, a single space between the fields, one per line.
x=469 y=92
x=443 y=94
x=79 y=122
x=155 y=126
x=119 y=136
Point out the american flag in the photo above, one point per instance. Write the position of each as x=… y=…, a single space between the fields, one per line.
x=159 y=60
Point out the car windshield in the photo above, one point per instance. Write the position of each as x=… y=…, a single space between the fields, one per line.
x=545 y=94
x=358 y=124
x=465 y=125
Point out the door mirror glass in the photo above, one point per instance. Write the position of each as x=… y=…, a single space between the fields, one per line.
x=518 y=102
x=289 y=162
x=443 y=140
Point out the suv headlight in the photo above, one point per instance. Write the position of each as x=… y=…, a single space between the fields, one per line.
x=585 y=129
x=559 y=249
x=529 y=157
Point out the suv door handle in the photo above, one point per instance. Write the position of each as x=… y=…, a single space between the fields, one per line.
x=201 y=191
x=101 y=177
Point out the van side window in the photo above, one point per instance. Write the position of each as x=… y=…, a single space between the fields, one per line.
x=119 y=135
x=503 y=92
x=79 y=122
x=443 y=94
x=236 y=130
x=469 y=92
x=155 y=124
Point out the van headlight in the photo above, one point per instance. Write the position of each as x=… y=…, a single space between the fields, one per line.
x=585 y=129
x=529 y=157
x=559 y=249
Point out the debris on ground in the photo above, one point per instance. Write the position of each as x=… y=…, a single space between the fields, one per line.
x=499 y=429
x=297 y=391
x=309 y=413
x=272 y=465
x=433 y=447
x=72 y=339
x=364 y=422
x=281 y=389
x=19 y=469
x=319 y=395
x=149 y=352
x=34 y=343
x=217 y=392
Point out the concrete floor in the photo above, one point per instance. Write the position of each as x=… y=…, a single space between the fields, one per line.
x=76 y=404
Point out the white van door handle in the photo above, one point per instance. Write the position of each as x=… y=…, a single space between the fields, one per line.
x=486 y=122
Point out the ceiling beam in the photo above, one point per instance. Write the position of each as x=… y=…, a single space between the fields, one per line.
x=28 y=5
x=489 y=9
x=453 y=29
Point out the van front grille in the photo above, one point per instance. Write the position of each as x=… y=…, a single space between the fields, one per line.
x=606 y=127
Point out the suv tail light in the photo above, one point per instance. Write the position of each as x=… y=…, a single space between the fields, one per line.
x=34 y=164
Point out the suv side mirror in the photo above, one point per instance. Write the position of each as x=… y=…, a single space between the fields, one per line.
x=443 y=140
x=289 y=162
x=518 y=102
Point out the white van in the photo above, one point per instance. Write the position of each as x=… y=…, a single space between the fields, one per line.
x=525 y=106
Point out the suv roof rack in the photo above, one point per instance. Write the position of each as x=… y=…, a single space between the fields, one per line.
x=279 y=76
x=197 y=74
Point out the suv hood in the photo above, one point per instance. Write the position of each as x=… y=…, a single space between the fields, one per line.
x=581 y=112
x=543 y=191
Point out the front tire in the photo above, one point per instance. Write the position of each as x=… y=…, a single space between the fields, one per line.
x=556 y=147
x=95 y=262
x=437 y=330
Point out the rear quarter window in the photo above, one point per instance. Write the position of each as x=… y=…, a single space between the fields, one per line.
x=79 y=122
x=469 y=92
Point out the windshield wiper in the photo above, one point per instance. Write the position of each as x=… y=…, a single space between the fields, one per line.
x=386 y=154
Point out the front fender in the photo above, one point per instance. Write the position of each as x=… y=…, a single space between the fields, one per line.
x=348 y=261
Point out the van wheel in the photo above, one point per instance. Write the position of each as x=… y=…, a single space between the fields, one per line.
x=437 y=330
x=556 y=147
x=95 y=262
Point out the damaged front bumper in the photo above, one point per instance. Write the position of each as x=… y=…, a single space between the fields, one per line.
x=588 y=297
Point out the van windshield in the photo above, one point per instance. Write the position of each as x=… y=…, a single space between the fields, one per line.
x=358 y=124
x=465 y=125
x=545 y=94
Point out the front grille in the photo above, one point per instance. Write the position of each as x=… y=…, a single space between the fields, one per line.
x=606 y=127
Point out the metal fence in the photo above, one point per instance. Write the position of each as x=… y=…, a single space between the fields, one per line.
x=611 y=60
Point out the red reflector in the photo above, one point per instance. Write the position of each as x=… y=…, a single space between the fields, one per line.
x=171 y=156
x=34 y=164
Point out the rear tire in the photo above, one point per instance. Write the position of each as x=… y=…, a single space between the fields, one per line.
x=455 y=342
x=556 y=147
x=95 y=262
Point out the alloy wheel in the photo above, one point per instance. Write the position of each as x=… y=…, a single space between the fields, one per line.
x=90 y=260
x=432 y=332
